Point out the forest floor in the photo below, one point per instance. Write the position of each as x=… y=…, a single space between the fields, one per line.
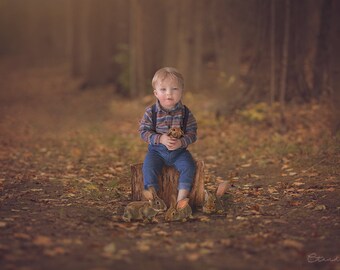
x=65 y=158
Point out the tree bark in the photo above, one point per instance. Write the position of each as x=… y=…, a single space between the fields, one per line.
x=80 y=43
x=198 y=44
x=136 y=43
x=321 y=67
x=98 y=68
x=185 y=40
x=284 y=66
x=171 y=30
x=168 y=182
x=272 y=53
x=335 y=67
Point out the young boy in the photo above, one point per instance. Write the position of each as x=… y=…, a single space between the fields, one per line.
x=168 y=112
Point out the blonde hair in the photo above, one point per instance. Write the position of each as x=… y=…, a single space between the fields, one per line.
x=163 y=73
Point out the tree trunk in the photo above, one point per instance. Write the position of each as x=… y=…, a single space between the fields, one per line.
x=98 y=68
x=321 y=68
x=198 y=44
x=80 y=43
x=216 y=39
x=137 y=76
x=284 y=65
x=185 y=40
x=168 y=182
x=272 y=53
x=171 y=30
x=335 y=67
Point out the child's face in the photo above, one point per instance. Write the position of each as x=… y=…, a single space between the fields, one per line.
x=168 y=92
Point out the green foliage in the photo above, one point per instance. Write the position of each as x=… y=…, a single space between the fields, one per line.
x=259 y=112
x=123 y=60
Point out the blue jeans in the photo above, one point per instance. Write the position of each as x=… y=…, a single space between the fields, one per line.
x=158 y=156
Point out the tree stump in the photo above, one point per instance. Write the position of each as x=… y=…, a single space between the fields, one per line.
x=168 y=183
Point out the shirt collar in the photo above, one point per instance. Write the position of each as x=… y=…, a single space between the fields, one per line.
x=178 y=106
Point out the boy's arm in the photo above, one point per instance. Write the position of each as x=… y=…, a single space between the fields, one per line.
x=190 y=135
x=146 y=128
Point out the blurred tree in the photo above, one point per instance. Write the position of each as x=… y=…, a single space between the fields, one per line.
x=285 y=56
x=35 y=29
x=198 y=22
x=80 y=44
x=185 y=40
x=303 y=47
x=98 y=66
x=322 y=58
x=171 y=31
x=272 y=53
x=335 y=66
x=136 y=44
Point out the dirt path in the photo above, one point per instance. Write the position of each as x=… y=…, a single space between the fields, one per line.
x=64 y=182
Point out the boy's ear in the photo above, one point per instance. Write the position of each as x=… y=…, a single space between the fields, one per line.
x=147 y=195
x=182 y=203
x=221 y=189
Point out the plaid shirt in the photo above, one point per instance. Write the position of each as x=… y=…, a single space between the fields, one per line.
x=165 y=121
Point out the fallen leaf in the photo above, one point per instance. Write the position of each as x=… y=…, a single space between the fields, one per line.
x=189 y=246
x=177 y=233
x=295 y=203
x=207 y=244
x=55 y=251
x=91 y=187
x=42 y=241
x=313 y=174
x=272 y=190
x=292 y=244
x=193 y=256
x=298 y=184
x=143 y=247
x=36 y=189
x=146 y=235
x=22 y=236
x=162 y=233
x=285 y=167
x=246 y=165
x=110 y=249
x=320 y=207
x=204 y=219
x=226 y=242
x=310 y=205
x=3 y=224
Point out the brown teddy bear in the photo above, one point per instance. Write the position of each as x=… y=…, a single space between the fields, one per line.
x=175 y=132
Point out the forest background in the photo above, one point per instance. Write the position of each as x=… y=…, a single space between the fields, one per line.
x=241 y=51
x=262 y=78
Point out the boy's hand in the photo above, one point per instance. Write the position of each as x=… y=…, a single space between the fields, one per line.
x=170 y=143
